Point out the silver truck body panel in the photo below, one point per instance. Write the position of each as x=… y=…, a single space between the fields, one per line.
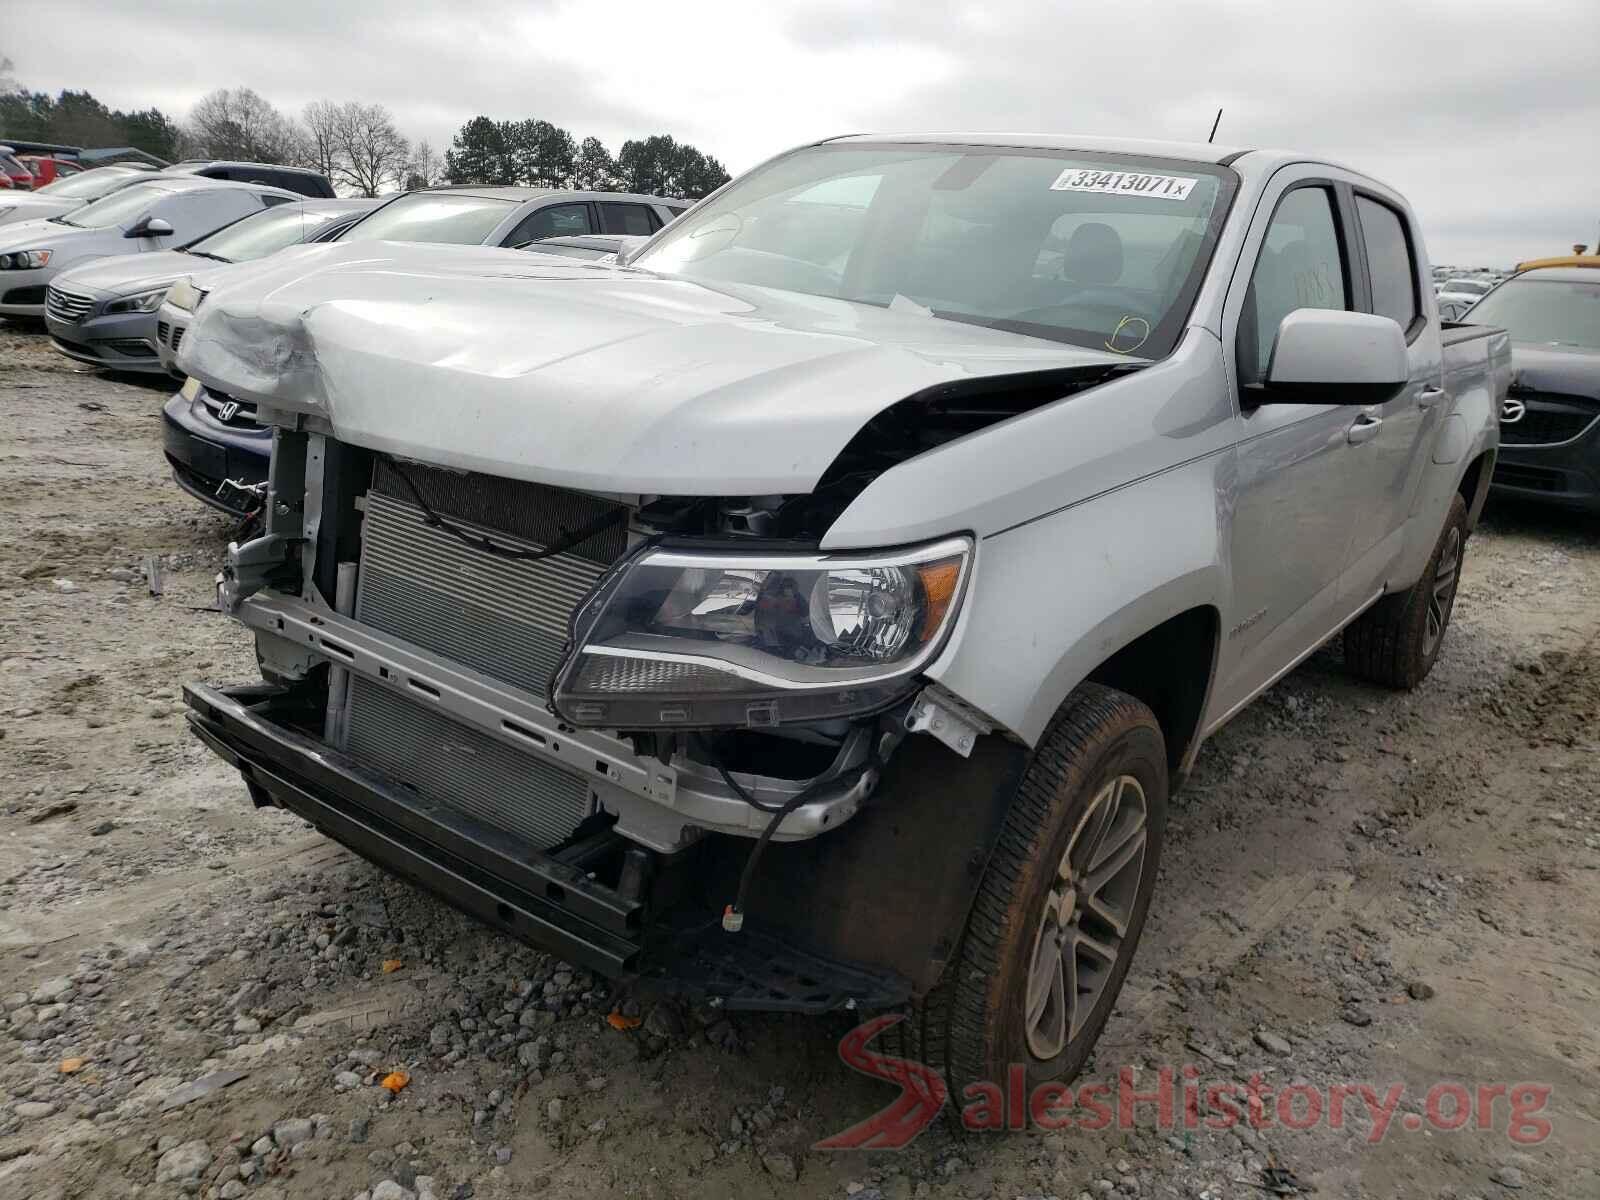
x=1098 y=517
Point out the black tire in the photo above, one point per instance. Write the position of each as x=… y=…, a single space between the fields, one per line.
x=973 y=1025
x=1397 y=640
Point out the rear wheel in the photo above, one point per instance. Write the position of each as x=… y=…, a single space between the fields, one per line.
x=1397 y=641
x=1061 y=905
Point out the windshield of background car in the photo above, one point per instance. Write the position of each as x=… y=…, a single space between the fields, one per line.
x=1467 y=285
x=120 y=208
x=264 y=233
x=1105 y=251
x=90 y=185
x=1552 y=311
x=432 y=217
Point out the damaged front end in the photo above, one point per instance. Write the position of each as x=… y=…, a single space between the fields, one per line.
x=632 y=731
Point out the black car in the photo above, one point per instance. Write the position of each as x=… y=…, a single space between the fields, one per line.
x=292 y=179
x=1550 y=424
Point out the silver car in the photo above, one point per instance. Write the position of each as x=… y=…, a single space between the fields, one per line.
x=156 y=213
x=105 y=313
x=509 y=216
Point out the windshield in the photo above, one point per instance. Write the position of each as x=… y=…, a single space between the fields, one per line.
x=264 y=233
x=1105 y=251
x=1467 y=285
x=432 y=217
x=120 y=208
x=1544 y=310
x=90 y=185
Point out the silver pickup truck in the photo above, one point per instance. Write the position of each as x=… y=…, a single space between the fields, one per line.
x=817 y=610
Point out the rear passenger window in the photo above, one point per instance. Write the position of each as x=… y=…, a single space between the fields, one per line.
x=1389 y=262
x=628 y=218
x=556 y=220
x=1302 y=265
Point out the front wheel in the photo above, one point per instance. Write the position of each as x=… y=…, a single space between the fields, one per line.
x=1061 y=905
x=1397 y=640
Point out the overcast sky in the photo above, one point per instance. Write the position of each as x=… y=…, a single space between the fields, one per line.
x=1486 y=113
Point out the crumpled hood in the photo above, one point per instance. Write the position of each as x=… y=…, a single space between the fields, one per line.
x=129 y=274
x=577 y=374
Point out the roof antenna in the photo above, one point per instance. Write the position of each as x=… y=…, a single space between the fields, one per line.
x=1214 y=125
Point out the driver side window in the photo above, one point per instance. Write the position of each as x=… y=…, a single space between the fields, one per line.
x=1301 y=265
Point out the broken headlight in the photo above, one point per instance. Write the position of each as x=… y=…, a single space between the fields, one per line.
x=677 y=638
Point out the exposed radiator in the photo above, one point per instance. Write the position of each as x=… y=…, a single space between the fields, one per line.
x=460 y=767
x=506 y=619
x=503 y=618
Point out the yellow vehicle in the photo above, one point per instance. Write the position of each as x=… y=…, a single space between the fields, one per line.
x=1562 y=260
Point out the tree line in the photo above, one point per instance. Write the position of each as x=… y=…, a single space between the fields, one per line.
x=358 y=146
x=539 y=154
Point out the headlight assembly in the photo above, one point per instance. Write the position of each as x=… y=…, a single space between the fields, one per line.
x=144 y=302
x=24 y=260
x=184 y=295
x=688 y=639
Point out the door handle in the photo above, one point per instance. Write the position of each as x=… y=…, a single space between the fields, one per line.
x=1428 y=395
x=1364 y=430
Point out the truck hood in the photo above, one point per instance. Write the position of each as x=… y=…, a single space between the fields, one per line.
x=579 y=374
x=129 y=274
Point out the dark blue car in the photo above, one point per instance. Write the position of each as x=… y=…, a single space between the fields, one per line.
x=217 y=452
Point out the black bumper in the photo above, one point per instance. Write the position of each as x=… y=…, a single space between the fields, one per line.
x=534 y=896
x=1564 y=472
x=203 y=457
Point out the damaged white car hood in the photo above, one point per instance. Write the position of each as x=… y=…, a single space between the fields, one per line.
x=575 y=374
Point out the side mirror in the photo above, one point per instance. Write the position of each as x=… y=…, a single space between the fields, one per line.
x=1326 y=356
x=150 y=227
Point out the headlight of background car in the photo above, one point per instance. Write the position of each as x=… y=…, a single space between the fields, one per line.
x=24 y=260
x=686 y=639
x=185 y=295
x=144 y=302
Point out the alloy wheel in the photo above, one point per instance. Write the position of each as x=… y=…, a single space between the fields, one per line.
x=1086 y=916
x=1443 y=589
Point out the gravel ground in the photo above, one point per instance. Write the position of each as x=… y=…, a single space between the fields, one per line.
x=1359 y=886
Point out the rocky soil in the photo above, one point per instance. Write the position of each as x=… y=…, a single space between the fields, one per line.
x=199 y=999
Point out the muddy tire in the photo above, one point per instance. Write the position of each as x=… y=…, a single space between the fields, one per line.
x=1397 y=641
x=1061 y=904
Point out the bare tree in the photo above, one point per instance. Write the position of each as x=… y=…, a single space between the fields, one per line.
x=371 y=151
x=425 y=168
x=321 y=121
x=237 y=123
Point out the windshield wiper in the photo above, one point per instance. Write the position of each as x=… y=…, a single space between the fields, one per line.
x=212 y=257
x=63 y=221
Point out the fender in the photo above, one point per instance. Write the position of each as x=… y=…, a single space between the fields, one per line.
x=1476 y=376
x=1064 y=500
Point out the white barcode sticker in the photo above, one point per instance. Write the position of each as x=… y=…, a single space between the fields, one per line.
x=1124 y=183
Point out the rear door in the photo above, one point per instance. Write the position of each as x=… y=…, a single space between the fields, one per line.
x=1298 y=467
x=571 y=218
x=637 y=220
x=1392 y=261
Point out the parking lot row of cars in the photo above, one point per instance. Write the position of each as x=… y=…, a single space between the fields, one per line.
x=116 y=258
x=98 y=253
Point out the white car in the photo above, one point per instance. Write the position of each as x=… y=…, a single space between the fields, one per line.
x=68 y=193
x=159 y=213
x=1469 y=290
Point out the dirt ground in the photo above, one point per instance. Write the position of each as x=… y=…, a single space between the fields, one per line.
x=1359 y=887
